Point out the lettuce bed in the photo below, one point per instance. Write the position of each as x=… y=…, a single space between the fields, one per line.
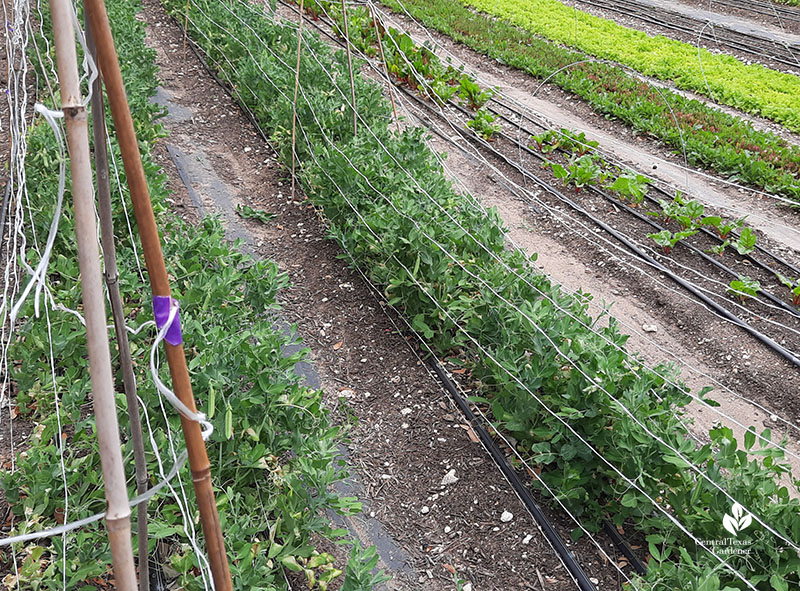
x=752 y=88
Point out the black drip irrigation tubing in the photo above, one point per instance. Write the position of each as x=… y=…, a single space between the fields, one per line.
x=547 y=529
x=633 y=247
x=724 y=268
x=625 y=548
x=765 y=8
x=649 y=221
x=777 y=258
x=692 y=26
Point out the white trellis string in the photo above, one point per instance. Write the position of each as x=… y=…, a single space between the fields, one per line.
x=197 y=417
x=68 y=527
x=38 y=275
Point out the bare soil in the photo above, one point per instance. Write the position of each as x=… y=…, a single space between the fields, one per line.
x=767 y=20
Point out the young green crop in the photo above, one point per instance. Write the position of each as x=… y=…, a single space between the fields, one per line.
x=746 y=241
x=723 y=227
x=744 y=287
x=580 y=171
x=484 y=124
x=470 y=92
x=667 y=240
x=630 y=187
x=794 y=287
x=752 y=88
x=566 y=140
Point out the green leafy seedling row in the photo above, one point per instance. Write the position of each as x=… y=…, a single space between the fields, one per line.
x=753 y=88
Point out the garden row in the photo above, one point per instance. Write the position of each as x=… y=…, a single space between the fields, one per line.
x=708 y=137
x=551 y=380
x=273 y=445
x=751 y=88
x=581 y=166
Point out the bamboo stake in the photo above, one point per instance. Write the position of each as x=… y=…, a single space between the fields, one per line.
x=296 y=88
x=118 y=512
x=112 y=284
x=159 y=282
x=350 y=67
x=379 y=37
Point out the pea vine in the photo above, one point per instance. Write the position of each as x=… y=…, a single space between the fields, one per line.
x=390 y=206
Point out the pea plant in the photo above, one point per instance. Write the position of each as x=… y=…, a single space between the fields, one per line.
x=274 y=444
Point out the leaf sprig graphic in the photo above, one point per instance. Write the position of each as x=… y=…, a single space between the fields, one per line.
x=738 y=521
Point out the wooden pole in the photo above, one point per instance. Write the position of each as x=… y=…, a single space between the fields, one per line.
x=350 y=67
x=159 y=282
x=296 y=88
x=118 y=512
x=112 y=284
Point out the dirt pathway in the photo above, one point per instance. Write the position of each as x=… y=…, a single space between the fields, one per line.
x=405 y=434
x=765 y=15
x=730 y=21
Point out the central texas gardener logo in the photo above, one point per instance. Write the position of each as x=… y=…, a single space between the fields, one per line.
x=739 y=519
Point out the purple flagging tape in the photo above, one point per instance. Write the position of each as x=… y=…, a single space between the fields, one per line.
x=161 y=306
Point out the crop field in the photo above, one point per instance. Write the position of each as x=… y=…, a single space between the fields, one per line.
x=411 y=295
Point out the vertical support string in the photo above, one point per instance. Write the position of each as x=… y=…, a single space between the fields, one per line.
x=294 y=101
